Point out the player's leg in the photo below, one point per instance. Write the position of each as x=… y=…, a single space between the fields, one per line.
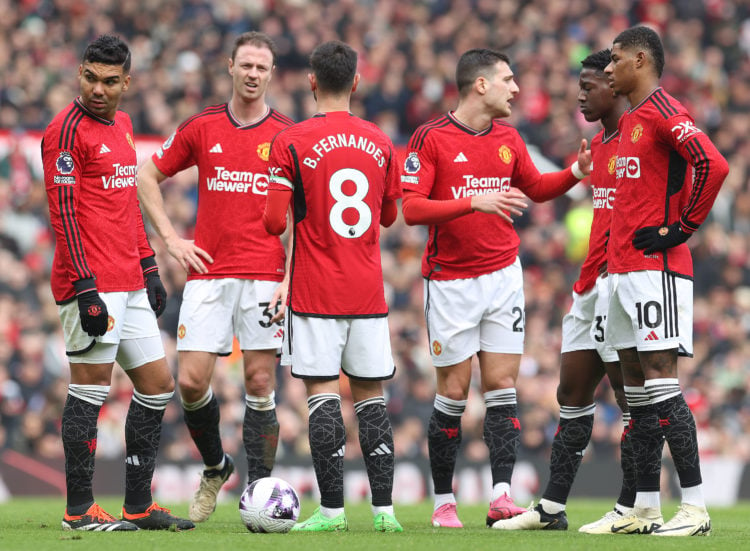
x=259 y=341
x=91 y=362
x=315 y=353
x=204 y=332
x=453 y=314
x=367 y=361
x=141 y=355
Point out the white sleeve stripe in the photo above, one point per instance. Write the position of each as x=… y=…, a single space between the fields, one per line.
x=281 y=180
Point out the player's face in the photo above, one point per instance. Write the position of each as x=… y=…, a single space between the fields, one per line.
x=102 y=87
x=595 y=96
x=251 y=72
x=501 y=89
x=621 y=70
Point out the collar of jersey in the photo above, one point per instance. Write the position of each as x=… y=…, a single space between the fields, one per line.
x=645 y=99
x=253 y=124
x=469 y=129
x=92 y=115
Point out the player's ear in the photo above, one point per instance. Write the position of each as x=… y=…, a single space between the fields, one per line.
x=126 y=83
x=230 y=66
x=313 y=82
x=480 y=85
x=355 y=83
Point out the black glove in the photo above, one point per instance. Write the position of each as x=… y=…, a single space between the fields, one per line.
x=157 y=294
x=93 y=311
x=659 y=238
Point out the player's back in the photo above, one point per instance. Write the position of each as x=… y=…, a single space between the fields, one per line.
x=341 y=169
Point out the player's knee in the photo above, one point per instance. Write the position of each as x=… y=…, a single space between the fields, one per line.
x=260 y=382
x=573 y=396
x=191 y=389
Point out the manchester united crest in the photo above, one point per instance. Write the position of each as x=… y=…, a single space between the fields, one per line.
x=263 y=150
x=181 y=331
x=110 y=323
x=437 y=348
x=130 y=140
x=505 y=154
x=612 y=164
x=636 y=134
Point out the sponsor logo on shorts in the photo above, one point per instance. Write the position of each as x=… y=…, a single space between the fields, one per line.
x=181 y=331
x=437 y=348
x=110 y=323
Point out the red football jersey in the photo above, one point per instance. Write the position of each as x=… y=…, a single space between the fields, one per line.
x=232 y=162
x=90 y=176
x=604 y=158
x=667 y=170
x=448 y=160
x=341 y=169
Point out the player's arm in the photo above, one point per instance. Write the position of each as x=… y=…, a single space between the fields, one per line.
x=543 y=187
x=710 y=170
x=281 y=292
x=421 y=210
x=185 y=251
x=388 y=212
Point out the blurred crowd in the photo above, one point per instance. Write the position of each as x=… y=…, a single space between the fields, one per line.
x=408 y=52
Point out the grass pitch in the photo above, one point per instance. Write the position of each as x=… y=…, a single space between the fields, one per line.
x=34 y=524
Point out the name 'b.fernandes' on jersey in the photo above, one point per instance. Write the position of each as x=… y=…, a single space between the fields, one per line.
x=667 y=170
x=90 y=177
x=602 y=180
x=446 y=160
x=340 y=169
x=232 y=161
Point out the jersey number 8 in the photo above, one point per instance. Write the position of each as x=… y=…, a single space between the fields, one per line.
x=354 y=201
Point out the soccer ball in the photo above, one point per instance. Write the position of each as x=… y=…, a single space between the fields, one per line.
x=269 y=505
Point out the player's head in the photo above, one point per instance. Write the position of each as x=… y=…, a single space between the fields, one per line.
x=334 y=68
x=251 y=65
x=595 y=96
x=637 y=54
x=104 y=75
x=486 y=74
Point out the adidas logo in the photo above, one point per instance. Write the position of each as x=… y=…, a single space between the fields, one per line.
x=340 y=452
x=279 y=334
x=652 y=337
x=461 y=158
x=132 y=460
x=382 y=449
x=104 y=149
x=216 y=149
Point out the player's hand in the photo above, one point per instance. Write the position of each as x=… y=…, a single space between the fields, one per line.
x=279 y=300
x=504 y=204
x=157 y=294
x=584 y=158
x=659 y=238
x=189 y=255
x=91 y=307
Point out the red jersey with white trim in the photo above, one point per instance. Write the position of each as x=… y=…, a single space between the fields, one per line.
x=604 y=159
x=232 y=162
x=341 y=169
x=667 y=171
x=90 y=176
x=447 y=160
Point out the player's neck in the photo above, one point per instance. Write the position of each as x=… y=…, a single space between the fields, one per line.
x=330 y=104
x=248 y=113
x=476 y=119
x=642 y=91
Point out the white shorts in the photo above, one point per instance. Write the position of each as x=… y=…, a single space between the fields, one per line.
x=650 y=310
x=213 y=311
x=132 y=335
x=322 y=347
x=583 y=327
x=483 y=313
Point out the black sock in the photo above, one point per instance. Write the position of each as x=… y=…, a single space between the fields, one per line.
x=142 y=436
x=260 y=434
x=570 y=441
x=443 y=440
x=203 y=424
x=79 y=433
x=327 y=442
x=648 y=441
x=502 y=434
x=376 y=441
x=678 y=426
x=627 y=461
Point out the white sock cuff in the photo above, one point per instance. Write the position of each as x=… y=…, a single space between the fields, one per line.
x=261 y=403
x=93 y=394
x=454 y=408
x=574 y=412
x=500 y=397
x=660 y=390
x=317 y=400
x=192 y=406
x=158 y=402
x=636 y=396
x=377 y=400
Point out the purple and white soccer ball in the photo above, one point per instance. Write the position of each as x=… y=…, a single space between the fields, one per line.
x=269 y=505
